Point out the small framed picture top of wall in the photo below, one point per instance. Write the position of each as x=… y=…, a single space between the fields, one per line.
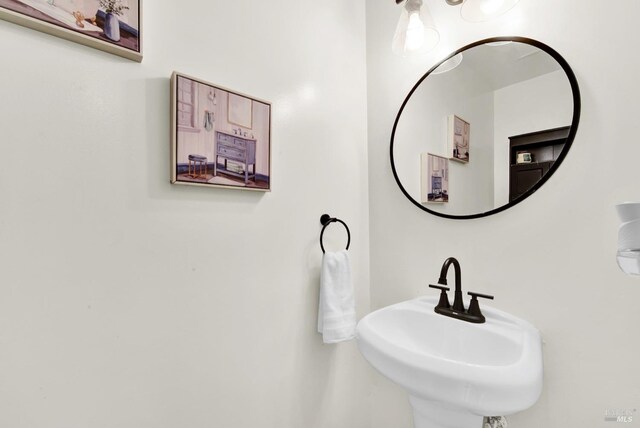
x=219 y=137
x=459 y=139
x=113 y=26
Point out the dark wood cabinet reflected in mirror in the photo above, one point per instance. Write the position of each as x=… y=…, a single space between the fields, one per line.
x=543 y=149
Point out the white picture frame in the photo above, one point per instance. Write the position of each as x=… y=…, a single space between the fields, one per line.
x=208 y=150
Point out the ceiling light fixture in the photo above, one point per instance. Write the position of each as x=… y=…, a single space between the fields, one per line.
x=498 y=44
x=484 y=10
x=449 y=64
x=416 y=30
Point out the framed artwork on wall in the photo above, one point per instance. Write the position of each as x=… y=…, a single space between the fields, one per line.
x=434 y=178
x=459 y=139
x=113 y=26
x=219 y=137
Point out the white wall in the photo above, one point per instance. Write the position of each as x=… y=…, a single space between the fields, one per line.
x=128 y=302
x=423 y=128
x=551 y=258
x=537 y=104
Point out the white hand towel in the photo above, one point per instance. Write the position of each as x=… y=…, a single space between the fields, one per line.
x=336 y=309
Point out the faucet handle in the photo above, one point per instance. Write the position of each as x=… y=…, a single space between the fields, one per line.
x=484 y=296
x=474 y=307
x=444 y=298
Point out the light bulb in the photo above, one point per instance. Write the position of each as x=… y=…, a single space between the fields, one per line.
x=415 y=32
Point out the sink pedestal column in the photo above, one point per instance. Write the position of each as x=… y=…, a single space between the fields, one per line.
x=429 y=414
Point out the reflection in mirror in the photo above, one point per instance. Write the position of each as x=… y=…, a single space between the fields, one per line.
x=485 y=128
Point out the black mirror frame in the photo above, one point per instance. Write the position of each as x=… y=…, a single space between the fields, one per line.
x=572 y=132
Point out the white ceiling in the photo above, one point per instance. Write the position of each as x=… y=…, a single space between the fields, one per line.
x=500 y=66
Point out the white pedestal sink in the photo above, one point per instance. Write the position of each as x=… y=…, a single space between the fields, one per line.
x=455 y=372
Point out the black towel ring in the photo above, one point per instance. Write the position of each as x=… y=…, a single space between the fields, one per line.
x=326 y=220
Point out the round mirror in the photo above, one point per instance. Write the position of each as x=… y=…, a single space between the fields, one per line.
x=485 y=128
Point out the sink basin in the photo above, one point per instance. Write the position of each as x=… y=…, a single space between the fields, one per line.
x=455 y=372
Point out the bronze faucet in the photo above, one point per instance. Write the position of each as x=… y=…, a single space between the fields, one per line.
x=458 y=311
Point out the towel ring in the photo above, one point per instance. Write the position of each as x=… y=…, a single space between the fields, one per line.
x=326 y=220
